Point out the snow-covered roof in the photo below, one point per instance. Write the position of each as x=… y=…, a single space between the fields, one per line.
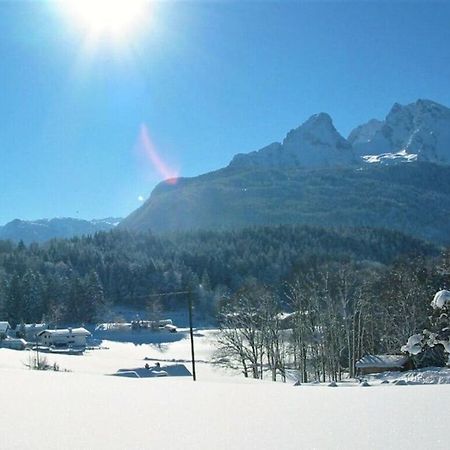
x=65 y=331
x=31 y=327
x=4 y=326
x=285 y=315
x=15 y=341
x=113 y=326
x=35 y=326
x=441 y=299
x=382 y=361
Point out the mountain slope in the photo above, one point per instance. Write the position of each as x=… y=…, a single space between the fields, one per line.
x=317 y=177
x=412 y=198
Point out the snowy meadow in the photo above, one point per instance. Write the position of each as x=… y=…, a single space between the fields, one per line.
x=86 y=408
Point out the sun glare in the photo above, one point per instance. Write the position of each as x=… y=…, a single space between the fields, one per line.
x=114 y=17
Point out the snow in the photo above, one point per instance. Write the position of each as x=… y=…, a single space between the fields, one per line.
x=81 y=411
x=65 y=331
x=413 y=346
x=390 y=158
x=429 y=375
x=222 y=410
x=113 y=356
x=285 y=315
x=441 y=299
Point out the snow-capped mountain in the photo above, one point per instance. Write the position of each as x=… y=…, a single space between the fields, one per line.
x=46 y=229
x=392 y=174
x=315 y=143
x=418 y=131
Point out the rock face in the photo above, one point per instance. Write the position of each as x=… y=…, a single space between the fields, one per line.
x=365 y=133
x=315 y=143
x=421 y=128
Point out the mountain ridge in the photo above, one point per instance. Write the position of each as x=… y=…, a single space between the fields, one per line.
x=315 y=143
x=338 y=185
x=419 y=130
x=42 y=230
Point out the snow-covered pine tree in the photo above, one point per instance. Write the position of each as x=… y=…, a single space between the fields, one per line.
x=432 y=346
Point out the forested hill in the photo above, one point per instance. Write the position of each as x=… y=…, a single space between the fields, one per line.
x=413 y=198
x=78 y=279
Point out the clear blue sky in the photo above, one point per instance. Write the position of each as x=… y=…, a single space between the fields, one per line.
x=208 y=79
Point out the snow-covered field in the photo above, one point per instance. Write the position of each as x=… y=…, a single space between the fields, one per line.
x=85 y=409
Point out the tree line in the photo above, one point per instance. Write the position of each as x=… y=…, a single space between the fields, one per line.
x=81 y=279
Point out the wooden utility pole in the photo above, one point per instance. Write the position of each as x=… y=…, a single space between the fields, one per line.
x=192 y=336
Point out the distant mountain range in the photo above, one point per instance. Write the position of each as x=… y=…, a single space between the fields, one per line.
x=46 y=229
x=393 y=174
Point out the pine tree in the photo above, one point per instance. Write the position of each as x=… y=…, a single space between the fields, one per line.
x=32 y=290
x=94 y=299
x=432 y=346
x=14 y=301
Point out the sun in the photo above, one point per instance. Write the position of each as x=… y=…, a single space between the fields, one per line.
x=115 y=17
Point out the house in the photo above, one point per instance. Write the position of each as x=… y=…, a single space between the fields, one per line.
x=4 y=329
x=383 y=363
x=69 y=337
x=13 y=344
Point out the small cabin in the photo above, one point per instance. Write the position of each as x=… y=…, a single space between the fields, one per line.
x=69 y=337
x=13 y=344
x=383 y=363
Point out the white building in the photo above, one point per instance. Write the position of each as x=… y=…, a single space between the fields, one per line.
x=69 y=337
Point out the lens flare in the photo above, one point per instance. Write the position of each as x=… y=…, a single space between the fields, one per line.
x=146 y=145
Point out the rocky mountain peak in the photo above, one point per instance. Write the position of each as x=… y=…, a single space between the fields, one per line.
x=419 y=131
x=319 y=119
x=315 y=143
x=318 y=129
